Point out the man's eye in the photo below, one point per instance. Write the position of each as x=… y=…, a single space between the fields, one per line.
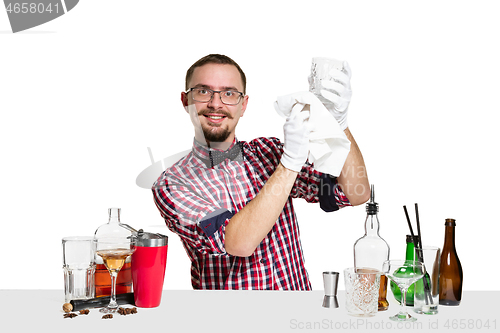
x=203 y=91
x=229 y=93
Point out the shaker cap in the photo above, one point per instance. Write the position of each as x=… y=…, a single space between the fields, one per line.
x=149 y=239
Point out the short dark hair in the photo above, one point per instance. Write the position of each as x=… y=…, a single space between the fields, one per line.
x=216 y=59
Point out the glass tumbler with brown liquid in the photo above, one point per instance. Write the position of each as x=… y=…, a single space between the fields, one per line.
x=103 y=279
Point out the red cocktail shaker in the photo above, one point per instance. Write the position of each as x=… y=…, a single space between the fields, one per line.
x=148 y=268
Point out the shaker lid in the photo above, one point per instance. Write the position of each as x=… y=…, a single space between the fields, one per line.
x=148 y=239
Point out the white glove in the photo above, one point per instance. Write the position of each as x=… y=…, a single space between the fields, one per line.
x=338 y=91
x=296 y=147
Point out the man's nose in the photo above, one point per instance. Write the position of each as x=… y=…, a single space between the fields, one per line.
x=215 y=102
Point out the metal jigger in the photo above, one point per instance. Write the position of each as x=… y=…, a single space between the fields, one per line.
x=330 y=281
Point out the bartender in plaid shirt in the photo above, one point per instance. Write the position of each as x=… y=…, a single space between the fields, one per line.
x=230 y=201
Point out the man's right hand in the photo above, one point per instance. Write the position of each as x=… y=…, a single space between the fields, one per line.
x=296 y=146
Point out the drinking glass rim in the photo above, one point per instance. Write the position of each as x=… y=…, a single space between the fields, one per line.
x=352 y=270
x=110 y=242
x=77 y=238
x=110 y=239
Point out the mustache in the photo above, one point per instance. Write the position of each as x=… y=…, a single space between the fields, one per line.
x=212 y=112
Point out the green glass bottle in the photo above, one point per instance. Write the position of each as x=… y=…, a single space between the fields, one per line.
x=410 y=255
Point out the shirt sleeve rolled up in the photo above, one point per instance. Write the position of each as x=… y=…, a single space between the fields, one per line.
x=194 y=218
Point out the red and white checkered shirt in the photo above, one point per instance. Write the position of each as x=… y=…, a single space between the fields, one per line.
x=197 y=201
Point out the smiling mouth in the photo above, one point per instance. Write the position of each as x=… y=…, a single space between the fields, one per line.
x=214 y=117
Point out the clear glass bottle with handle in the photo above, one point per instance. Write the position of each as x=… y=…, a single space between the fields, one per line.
x=371 y=250
x=102 y=278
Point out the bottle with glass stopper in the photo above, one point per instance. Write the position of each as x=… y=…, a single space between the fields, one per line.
x=102 y=278
x=371 y=250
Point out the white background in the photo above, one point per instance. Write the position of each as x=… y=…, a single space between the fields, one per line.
x=83 y=96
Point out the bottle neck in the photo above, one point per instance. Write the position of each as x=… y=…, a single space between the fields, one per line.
x=114 y=216
x=449 y=237
x=410 y=251
x=371 y=225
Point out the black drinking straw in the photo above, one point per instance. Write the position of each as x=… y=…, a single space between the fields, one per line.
x=415 y=240
x=427 y=288
x=419 y=255
x=418 y=228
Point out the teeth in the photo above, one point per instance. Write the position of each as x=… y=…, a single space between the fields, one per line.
x=215 y=117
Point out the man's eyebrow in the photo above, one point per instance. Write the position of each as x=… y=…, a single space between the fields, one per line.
x=201 y=85
x=230 y=88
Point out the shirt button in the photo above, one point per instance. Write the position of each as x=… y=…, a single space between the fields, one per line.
x=262 y=261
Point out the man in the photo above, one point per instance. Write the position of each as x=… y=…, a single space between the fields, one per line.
x=231 y=201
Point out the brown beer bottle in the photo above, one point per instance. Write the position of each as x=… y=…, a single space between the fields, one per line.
x=450 y=277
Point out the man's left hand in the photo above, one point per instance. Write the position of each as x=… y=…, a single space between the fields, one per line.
x=338 y=91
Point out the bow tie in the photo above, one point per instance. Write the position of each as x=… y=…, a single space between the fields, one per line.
x=234 y=154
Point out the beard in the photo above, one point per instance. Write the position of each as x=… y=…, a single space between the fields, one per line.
x=215 y=133
x=216 y=136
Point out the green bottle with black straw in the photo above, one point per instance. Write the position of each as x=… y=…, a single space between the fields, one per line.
x=417 y=243
x=410 y=255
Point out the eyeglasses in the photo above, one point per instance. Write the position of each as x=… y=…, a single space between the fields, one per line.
x=228 y=97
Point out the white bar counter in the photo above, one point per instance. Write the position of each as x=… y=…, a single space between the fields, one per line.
x=241 y=311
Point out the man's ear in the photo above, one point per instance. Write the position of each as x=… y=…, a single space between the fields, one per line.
x=184 y=100
x=244 y=105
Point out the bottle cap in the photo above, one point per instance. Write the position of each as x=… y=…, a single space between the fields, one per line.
x=450 y=222
x=409 y=239
x=372 y=206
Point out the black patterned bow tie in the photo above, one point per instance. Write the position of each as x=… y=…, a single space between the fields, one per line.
x=234 y=154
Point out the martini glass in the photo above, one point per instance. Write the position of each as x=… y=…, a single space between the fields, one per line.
x=403 y=273
x=113 y=251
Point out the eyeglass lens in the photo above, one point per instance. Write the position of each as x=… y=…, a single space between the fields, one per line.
x=227 y=96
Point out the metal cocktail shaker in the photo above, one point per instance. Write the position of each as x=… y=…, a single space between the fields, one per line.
x=148 y=268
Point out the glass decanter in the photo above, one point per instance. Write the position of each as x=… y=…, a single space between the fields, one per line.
x=113 y=229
